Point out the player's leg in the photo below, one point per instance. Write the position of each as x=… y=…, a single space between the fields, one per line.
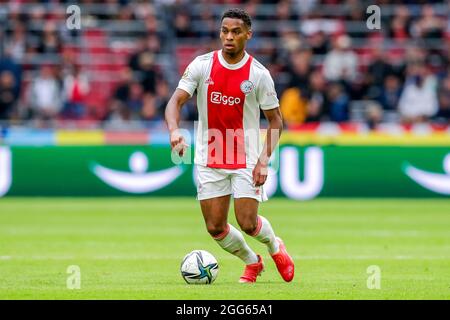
x=215 y=213
x=246 y=203
x=214 y=190
x=246 y=210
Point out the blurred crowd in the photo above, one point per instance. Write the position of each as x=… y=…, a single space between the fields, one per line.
x=326 y=63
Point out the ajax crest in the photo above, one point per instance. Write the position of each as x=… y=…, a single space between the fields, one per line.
x=247 y=86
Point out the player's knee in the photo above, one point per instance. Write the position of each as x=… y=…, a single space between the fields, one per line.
x=216 y=229
x=248 y=226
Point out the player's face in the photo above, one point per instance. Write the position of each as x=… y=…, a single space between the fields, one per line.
x=234 y=34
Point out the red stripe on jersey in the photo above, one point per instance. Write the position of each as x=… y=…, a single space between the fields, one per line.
x=226 y=139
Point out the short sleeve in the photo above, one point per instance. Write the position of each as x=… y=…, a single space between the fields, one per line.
x=265 y=93
x=191 y=76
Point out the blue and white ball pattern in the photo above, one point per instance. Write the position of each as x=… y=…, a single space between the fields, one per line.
x=199 y=267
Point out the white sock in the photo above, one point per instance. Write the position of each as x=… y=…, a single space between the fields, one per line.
x=232 y=241
x=264 y=233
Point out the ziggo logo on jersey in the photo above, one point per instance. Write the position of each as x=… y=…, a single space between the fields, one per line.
x=218 y=98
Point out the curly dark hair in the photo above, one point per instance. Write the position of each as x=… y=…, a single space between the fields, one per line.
x=237 y=13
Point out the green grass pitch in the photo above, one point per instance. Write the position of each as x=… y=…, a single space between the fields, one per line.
x=132 y=248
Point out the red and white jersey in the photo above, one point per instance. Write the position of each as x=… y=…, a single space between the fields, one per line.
x=229 y=98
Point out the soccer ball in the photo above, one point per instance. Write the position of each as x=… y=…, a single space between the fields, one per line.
x=199 y=267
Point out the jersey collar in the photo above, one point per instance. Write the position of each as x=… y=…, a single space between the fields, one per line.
x=233 y=66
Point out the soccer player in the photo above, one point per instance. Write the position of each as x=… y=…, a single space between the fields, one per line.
x=231 y=88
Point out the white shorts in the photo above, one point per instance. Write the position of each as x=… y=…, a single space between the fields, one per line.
x=213 y=183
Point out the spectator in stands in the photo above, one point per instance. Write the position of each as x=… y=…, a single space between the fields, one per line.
x=293 y=106
x=126 y=105
x=299 y=68
x=305 y=6
x=153 y=26
x=125 y=14
x=122 y=90
x=76 y=87
x=207 y=24
x=129 y=95
x=8 y=97
x=319 y=43
x=182 y=24
x=122 y=119
x=190 y=112
x=290 y=41
x=429 y=26
x=135 y=98
x=50 y=42
x=8 y=64
x=437 y=59
x=390 y=93
x=443 y=114
x=415 y=54
x=108 y=10
x=374 y=115
x=143 y=9
x=338 y=103
x=162 y=98
x=399 y=29
x=379 y=68
x=35 y=18
x=153 y=43
x=294 y=100
x=355 y=16
x=142 y=64
x=16 y=45
x=149 y=110
x=317 y=98
x=418 y=101
x=341 y=63
x=447 y=29
x=44 y=95
x=286 y=11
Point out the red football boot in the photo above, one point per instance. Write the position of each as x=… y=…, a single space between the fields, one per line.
x=252 y=271
x=284 y=262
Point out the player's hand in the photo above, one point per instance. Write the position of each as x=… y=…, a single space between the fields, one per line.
x=177 y=143
x=260 y=174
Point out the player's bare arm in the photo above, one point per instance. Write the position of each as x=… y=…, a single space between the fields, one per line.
x=172 y=115
x=275 y=120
